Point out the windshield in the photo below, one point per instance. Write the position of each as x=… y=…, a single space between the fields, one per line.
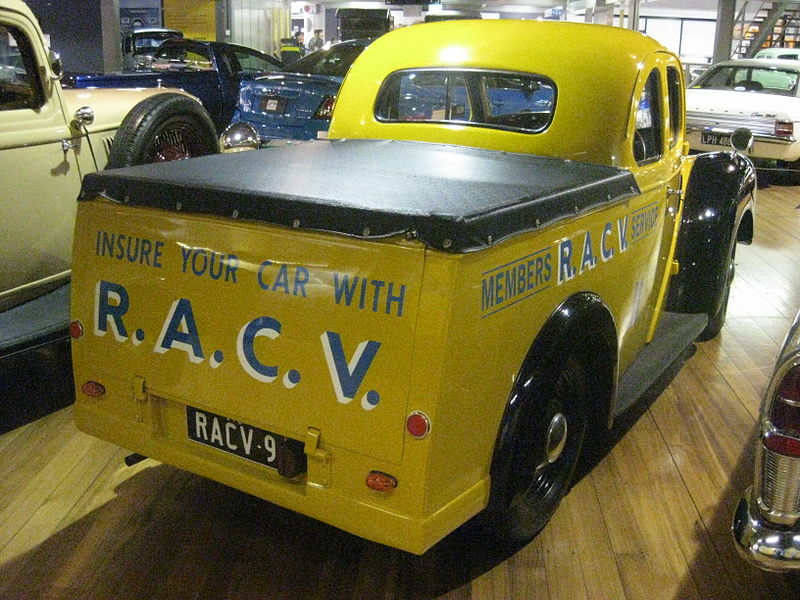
x=744 y=78
x=181 y=57
x=334 y=61
x=146 y=43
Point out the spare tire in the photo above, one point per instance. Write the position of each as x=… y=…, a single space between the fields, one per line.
x=162 y=128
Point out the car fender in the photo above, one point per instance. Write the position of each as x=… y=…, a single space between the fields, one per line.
x=582 y=322
x=109 y=105
x=718 y=211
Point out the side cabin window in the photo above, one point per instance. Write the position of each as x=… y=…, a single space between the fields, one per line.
x=19 y=77
x=675 y=105
x=647 y=142
x=500 y=100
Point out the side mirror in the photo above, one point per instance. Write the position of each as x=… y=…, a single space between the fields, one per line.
x=742 y=139
x=55 y=65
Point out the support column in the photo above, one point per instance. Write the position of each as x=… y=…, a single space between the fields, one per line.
x=109 y=25
x=723 y=41
x=633 y=17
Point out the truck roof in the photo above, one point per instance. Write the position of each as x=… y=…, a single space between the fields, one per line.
x=595 y=69
x=452 y=198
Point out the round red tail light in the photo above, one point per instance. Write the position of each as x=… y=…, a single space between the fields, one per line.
x=76 y=330
x=418 y=424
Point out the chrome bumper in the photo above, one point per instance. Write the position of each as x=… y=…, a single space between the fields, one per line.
x=768 y=546
x=758 y=136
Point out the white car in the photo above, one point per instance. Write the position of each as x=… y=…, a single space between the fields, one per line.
x=788 y=53
x=758 y=94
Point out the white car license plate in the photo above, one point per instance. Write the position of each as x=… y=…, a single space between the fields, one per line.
x=715 y=139
x=246 y=441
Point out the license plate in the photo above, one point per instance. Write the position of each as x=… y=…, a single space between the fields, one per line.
x=246 y=441
x=271 y=104
x=715 y=139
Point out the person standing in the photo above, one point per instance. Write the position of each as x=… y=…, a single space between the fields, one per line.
x=316 y=42
x=300 y=39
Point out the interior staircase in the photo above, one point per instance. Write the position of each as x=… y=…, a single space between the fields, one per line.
x=766 y=25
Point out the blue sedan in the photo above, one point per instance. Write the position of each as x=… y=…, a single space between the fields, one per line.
x=296 y=103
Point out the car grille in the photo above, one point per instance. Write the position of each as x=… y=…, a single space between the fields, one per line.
x=780 y=484
x=704 y=120
x=107 y=143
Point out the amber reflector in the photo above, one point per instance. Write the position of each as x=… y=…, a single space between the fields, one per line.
x=93 y=389
x=76 y=330
x=381 y=482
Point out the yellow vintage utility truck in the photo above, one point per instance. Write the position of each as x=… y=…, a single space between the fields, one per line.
x=423 y=318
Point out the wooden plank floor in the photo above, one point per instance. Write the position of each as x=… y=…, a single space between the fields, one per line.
x=649 y=519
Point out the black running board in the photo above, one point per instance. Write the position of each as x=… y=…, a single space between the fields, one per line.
x=675 y=333
x=40 y=321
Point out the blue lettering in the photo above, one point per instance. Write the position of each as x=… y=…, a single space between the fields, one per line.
x=345 y=377
x=108 y=314
x=301 y=277
x=199 y=270
x=391 y=298
x=487 y=295
x=378 y=286
x=344 y=290
x=606 y=252
x=282 y=280
x=180 y=332
x=589 y=260
x=245 y=347
x=622 y=230
x=565 y=269
x=186 y=253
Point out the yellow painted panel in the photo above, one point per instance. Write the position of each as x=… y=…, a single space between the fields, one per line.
x=195 y=18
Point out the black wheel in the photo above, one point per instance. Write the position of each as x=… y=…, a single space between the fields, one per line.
x=717 y=320
x=546 y=447
x=162 y=128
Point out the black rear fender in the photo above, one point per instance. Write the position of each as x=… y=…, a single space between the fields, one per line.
x=582 y=325
x=717 y=212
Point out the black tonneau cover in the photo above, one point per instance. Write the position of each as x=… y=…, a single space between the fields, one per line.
x=453 y=198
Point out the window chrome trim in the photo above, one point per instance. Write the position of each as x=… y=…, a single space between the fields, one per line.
x=468 y=70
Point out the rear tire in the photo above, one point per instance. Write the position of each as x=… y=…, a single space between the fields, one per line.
x=535 y=487
x=163 y=128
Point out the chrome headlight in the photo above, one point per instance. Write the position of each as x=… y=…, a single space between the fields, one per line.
x=239 y=136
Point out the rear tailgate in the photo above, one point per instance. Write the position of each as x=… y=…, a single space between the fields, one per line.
x=279 y=288
x=279 y=329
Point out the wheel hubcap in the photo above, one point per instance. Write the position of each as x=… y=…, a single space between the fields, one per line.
x=556 y=437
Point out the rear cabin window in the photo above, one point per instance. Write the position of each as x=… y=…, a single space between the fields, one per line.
x=510 y=101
